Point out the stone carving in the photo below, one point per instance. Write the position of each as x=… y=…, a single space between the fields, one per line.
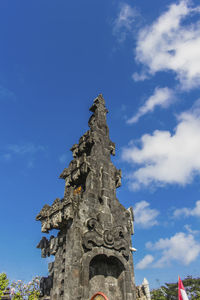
x=130 y=216
x=78 y=168
x=90 y=221
x=112 y=148
x=46 y=285
x=85 y=144
x=118 y=176
x=110 y=238
x=48 y=247
x=53 y=217
x=143 y=291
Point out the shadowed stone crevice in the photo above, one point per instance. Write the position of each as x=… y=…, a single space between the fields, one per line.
x=106 y=266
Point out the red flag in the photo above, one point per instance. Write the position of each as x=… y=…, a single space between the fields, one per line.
x=181 y=291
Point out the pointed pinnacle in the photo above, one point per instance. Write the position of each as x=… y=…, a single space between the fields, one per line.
x=99 y=102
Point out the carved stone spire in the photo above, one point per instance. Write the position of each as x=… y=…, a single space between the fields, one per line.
x=94 y=239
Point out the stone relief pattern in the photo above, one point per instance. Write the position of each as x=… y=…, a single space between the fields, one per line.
x=110 y=238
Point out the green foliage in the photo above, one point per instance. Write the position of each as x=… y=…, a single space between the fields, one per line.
x=17 y=296
x=169 y=291
x=157 y=294
x=192 y=286
x=3 y=283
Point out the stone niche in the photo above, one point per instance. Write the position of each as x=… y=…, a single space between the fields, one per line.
x=108 y=274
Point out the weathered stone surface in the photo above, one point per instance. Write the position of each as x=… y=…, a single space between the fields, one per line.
x=93 y=247
x=143 y=291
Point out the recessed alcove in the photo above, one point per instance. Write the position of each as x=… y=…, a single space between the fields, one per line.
x=107 y=274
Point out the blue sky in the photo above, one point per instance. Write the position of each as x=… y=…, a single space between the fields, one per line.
x=55 y=58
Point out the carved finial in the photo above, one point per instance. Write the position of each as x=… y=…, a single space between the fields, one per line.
x=145 y=284
x=98 y=119
x=99 y=103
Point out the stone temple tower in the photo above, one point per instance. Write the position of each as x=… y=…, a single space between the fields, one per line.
x=93 y=249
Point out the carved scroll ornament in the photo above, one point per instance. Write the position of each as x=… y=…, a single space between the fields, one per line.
x=109 y=238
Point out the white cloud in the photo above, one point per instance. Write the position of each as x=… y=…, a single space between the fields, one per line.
x=27 y=149
x=6 y=157
x=181 y=247
x=170 y=45
x=167 y=158
x=124 y=21
x=145 y=262
x=144 y=215
x=162 y=97
x=190 y=230
x=187 y=212
x=139 y=76
x=6 y=94
x=63 y=158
